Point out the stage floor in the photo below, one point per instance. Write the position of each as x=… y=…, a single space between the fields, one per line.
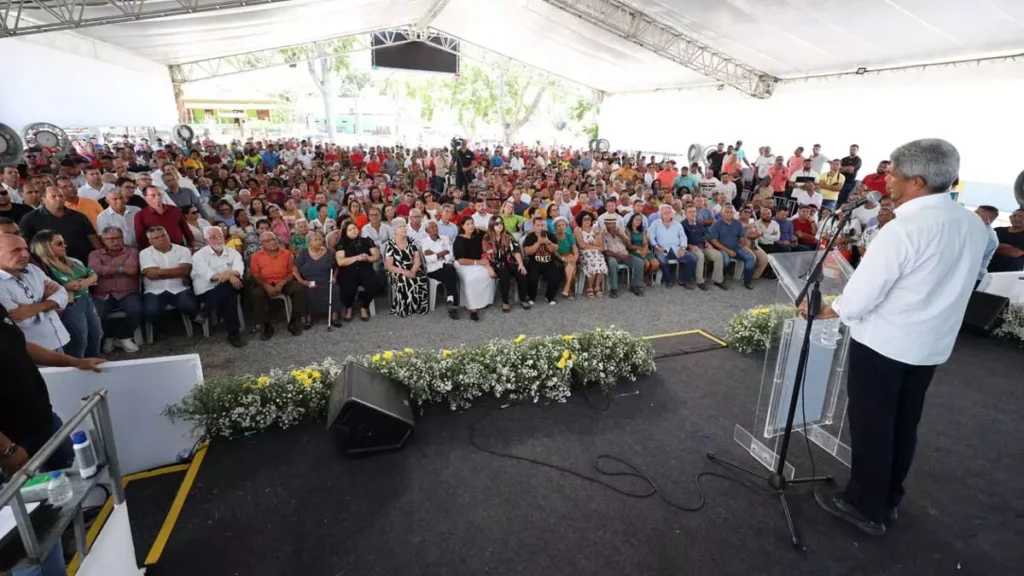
x=286 y=503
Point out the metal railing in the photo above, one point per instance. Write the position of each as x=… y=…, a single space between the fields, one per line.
x=37 y=545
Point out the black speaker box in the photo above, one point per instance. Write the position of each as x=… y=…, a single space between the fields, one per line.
x=984 y=312
x=368 y=412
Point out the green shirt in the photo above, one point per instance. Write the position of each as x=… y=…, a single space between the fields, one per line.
x=299 y=241
x=565 y=244
x=513 y=222
x=78 y=272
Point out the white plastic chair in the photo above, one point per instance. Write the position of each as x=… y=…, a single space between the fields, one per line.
x=184 y=318
x=138 y=337
x=212 y=319
x=432 y=292
x=287 y=305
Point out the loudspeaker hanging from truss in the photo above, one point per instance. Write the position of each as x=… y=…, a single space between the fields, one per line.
x=182 y=135
x=11 y=147
x=600 y=145
x=47 y=135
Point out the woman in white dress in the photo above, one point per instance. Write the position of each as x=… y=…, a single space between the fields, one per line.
x=475 y=274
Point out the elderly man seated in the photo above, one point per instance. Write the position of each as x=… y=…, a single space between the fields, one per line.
x=726 y=235
x=30 y=298
x=217 y=280
x=165 y=267
x=440 y=264
x=271 y=271
x=117 y=289
x=615 y=253
x=696 y=240
x=668 y=240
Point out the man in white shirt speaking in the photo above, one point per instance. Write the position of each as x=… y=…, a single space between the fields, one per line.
x=904 y=306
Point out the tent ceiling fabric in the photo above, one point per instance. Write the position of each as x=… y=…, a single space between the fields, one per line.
x=781 y=37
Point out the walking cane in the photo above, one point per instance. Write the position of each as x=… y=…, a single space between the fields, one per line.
x=330 y=301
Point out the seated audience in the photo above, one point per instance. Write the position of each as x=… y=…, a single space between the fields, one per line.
x=30 y=298
x=884 y=217
x=591 y=247
x=639 y=247
x=668 y=240
x=119 y=215
x=696 y=243
x=271 y=271
x=567 y=254
x=751 y=241
x=117 y=289
x=79 y=316
x=165 y=216
x=506 y=260
x=806 y=229
x=166 y=268
x=476 y=277
x=615 y=253
x=726 y=235
x=217 y=280
x=540 y=248
x=439 y=261
x=770 y=233
x=404 y=265
x=356 y=256
x=197 y=224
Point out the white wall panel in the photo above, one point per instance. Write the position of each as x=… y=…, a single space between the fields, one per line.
x=70 y=80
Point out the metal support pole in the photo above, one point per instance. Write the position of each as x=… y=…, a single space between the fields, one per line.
x=28 y=534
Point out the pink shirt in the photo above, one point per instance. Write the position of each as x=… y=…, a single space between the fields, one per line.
x=109 y=281
x=780 y=176
x=795 y=164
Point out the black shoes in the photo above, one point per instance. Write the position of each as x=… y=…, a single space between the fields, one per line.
x=690 y=284
x=837 y=506
x=613 y=294
x=235 y=339
x=721 y=285
x=892 y=516
x=749 y=284
x=703 y=286
x=453 y=312
x=268 y=332
x=474 y=316
x=295 y=329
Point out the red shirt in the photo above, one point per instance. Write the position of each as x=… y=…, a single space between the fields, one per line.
x=807 y=227
x=373 y=167
x=172 y=219
x=356 y=159
x=421 y=184
x=331 y=158
x=402 y=210
x=875 y=182
x=780 y=176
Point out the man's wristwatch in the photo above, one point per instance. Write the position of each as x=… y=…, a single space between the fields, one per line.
x=11 y=451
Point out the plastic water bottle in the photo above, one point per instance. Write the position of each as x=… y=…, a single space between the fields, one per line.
x=84 y=454
x=828 y=334
x=59 y=490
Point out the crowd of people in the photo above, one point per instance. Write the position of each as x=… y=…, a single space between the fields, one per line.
x=116 y=237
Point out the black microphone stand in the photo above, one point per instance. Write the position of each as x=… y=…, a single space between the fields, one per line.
x=777 y=479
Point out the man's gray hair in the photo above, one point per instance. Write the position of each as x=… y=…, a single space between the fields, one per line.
x=664 y=207
x=934 y=160
x=209 y=231
x=111 y=230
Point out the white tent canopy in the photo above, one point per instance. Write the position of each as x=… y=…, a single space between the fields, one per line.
x=778 y=37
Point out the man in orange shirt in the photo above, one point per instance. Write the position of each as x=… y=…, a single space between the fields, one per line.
x=87 y=206
x=271 y=270
x=668 y=175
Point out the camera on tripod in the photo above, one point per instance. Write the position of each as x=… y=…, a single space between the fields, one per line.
x=456 y=143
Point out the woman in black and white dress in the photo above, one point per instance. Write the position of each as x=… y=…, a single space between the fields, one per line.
x=404 y=264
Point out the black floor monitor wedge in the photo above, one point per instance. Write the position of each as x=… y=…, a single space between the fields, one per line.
x=368 y=412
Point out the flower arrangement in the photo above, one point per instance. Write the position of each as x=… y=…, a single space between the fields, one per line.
x=1012 y=327
x=753 y=330
x=523 y=368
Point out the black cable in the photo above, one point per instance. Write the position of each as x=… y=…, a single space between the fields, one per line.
x=632 y=471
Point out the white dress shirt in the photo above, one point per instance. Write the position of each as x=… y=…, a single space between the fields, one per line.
x=153 y=258
x=13 y=193
x=804 y=199
x=481 y=221
x=516 y=164
x=907 y=298
x=126 y=223
x=770 y=232
x=91 y=193
x=442 y=244
x=379 y=237
x=206 y=262
x=416 y=235
x=45 y=329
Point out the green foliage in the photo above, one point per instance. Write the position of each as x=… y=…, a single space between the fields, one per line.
x=353 y=82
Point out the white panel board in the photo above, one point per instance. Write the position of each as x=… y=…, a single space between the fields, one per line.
x=113 y=553
x=138 y=391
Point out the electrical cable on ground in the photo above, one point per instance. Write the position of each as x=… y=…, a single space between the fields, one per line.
x=631 y=470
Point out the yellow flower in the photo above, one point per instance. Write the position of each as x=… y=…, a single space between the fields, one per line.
x=409 y=351
x=446 y=353
x=568 y=337
x=561 y=364
x=307 y=382
x=316 y=374
x=565 y=355
x=376 y=357
x=389 y=355
x=761 y=311
x=519 y=339
x=262 y=382
x=296 y=373
x=599 y=330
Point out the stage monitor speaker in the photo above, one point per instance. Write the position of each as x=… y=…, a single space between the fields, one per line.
x=984 y=312
x=368 y=412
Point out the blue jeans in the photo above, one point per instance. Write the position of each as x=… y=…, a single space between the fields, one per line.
x=125 y=327
x=53 y=564
x=154 y=305
x=687 y=260
x=748 y=260
x=85 y=328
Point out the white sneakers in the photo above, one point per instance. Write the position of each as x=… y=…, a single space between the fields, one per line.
x=126 y=344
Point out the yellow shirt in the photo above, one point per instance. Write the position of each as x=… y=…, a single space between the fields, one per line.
x=829 y=179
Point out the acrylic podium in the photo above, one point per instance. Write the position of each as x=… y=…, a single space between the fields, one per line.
x=821 y=411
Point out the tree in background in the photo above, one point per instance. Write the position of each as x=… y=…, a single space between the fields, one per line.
x=583 y=116
x=323 y=61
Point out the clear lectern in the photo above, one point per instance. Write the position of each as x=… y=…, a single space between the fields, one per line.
x=821 y=408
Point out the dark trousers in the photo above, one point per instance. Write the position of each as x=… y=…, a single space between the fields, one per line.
x=362 y=276
x=848 y=186
x=775 y=248
x=448 y=278
x=154 y=305
x=551 y=274
x=120 y=328
x=261 y=302
x=506 y=274
x=223 y=298
x=63 y=458
x=886 y=398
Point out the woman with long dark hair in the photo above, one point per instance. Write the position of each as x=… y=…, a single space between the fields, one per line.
x=355 y=256
x=476 y=277
x=506 y=260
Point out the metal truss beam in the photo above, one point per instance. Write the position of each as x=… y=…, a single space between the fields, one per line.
x=638 y=28
x=228 y=65
x=435 y=9
x=25 y=17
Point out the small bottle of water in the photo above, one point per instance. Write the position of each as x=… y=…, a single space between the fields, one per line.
x=828 y=333
x=59 y=490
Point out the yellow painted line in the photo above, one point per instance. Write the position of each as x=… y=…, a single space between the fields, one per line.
x=93 y=532
x=710 y=337
x=669 y=335
x=157 y=472
x=108 y=507
x=179 y=501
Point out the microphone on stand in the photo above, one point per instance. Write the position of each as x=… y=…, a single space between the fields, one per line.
x=851 y=206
